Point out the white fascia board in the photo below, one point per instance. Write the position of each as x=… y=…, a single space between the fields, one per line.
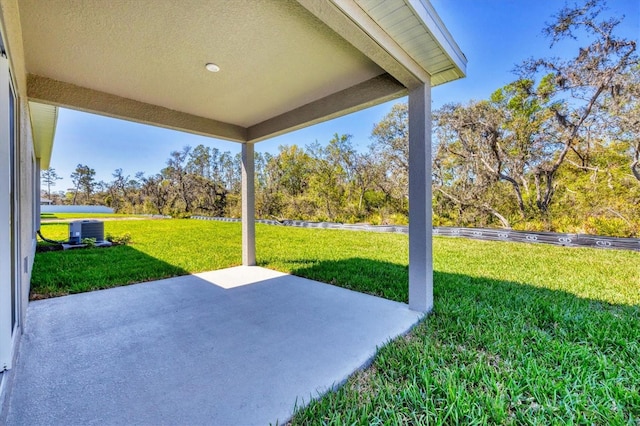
x=435 y=26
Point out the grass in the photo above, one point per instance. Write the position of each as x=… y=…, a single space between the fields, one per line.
x=159 y=249
x=520 y=334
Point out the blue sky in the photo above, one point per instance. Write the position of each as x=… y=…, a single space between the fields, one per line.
x=495 y=35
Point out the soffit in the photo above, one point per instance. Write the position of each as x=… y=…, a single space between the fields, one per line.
x=416 y=28
x=43 y=126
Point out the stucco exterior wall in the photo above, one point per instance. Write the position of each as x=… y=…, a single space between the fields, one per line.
x=28 y=174
x=23 y=246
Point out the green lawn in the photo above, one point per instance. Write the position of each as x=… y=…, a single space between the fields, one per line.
x=159 y=249
x=520 y=333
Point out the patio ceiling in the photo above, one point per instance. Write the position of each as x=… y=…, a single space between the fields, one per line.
x=283 y=64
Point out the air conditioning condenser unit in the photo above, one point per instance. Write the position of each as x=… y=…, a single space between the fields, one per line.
x=81 y=229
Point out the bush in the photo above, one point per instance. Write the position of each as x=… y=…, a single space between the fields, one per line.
x=438 y=220
x=374 y=219
x=123 y=239
x=89 y=242
x=610 y=226
x=398 y=219
x=532 y=226
x=180 y=215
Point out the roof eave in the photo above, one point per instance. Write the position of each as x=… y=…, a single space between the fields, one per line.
x=43 y=125
x=388 y=52
x=441 y=34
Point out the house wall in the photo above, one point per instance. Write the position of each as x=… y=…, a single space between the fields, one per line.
x=28 y=202
x=27 y=176
x=18 y=250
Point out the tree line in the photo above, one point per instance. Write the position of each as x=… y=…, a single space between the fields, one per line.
x=556 y=149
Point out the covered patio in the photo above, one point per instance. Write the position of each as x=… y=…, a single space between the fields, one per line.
x=236 y=346
x=244 y=73
x=243 y=342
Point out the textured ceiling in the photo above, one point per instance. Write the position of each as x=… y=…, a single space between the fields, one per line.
x=273 y=54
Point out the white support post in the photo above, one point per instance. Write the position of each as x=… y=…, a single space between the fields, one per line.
x=248 y=206
x=420 y=250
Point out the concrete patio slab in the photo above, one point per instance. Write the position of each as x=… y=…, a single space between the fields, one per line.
x=239 y=346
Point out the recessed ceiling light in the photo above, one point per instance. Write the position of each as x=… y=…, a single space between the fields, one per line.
x=212 y=67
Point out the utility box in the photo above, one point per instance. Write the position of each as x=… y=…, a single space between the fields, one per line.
x=81 y=229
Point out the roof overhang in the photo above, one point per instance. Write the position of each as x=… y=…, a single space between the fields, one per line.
x=43 y=127
x=284 y=65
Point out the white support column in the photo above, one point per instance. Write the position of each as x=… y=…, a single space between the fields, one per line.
x=420 y=252
x=248 y=206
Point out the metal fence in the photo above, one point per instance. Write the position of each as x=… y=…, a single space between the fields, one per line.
x=57 y=208
x=559 y=239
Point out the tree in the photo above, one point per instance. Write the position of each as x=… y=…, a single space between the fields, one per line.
x=269 y=192
x=328 y=177
x=292 y=169
x=49 y=178
x=83 y=179
x=624 y=105
x=123 y=193
x=365 y=172
x=493 y=143
x=157 y=191
x=471 y=157
x=208 y=191
x=176 y=171
x=200 y=161
x=391 y=146
x=578 y=86
x=515 y=144
x=286 y=179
